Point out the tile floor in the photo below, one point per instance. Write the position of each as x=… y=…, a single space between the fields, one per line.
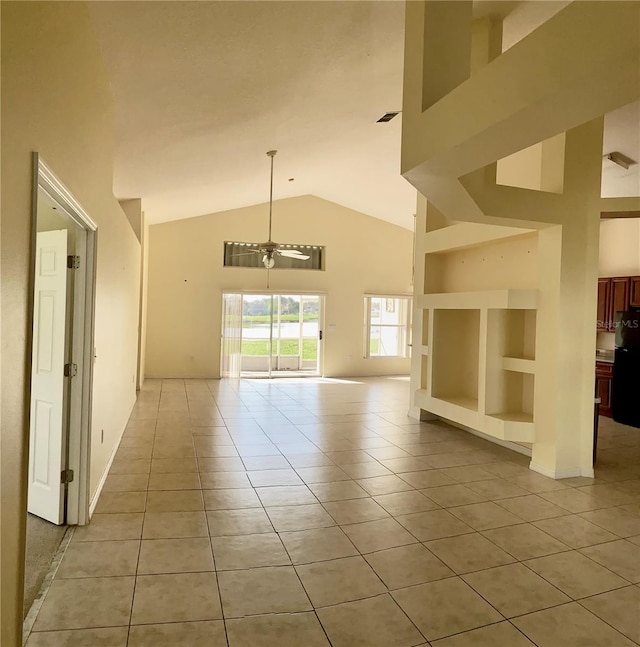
x=309 y=513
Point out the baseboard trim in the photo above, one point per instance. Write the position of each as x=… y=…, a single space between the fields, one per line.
x=561 y=474
x=503 y=443
x=107 y=468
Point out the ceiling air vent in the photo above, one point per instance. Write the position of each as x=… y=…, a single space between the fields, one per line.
x=387 y=116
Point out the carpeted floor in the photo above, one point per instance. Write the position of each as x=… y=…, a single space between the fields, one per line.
x=43 y=539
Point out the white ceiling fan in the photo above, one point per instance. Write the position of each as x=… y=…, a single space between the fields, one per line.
x=269 y=249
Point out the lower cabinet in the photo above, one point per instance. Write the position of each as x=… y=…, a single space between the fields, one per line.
x=604 y=378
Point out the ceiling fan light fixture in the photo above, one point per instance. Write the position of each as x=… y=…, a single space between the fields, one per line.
x=268 y=261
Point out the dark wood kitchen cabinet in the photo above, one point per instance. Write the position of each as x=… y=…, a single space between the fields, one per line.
x=604 y=379
x=616 y=294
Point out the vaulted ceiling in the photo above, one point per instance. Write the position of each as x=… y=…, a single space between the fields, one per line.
x=203 y=89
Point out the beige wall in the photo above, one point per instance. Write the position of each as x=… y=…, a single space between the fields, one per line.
x=619 y=247
x=55 y=100
x=186 y=280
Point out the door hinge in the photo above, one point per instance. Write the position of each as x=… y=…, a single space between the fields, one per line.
x=73 y=262
x=70 y=370
x=66 y=476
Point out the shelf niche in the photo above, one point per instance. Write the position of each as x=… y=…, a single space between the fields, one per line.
x=455 y=352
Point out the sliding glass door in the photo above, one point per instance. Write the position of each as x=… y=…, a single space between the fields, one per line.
x=279 y=334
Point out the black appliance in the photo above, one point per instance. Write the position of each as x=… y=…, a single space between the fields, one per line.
x=625 y=387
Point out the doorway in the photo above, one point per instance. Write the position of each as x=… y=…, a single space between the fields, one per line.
x=271 y=335
x=64 y=239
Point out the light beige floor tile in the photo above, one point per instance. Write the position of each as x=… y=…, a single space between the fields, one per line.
x=105 y=527
x=515 y=590
x=299 y=517
x=249 y=551
x=525 y=541
x=175 y=501
x=615 y=520
x=575 y=574
x=322 y=474
x=192 y=554
x=502 y=634
x=121 y=502
x=86 y=602
x=497 y=489
x=571 y=500
x=401 y=503
x=407 y=565
x=606 y=494
x=378 y=535
x=621 y=557
x=175 y=481
x=99 y=559
x=313 y=459
x=355 y=510
x=506 y=469
x=483 y=516
x=577 y=626
x=233 y=499
x=255 y=463
x=467 y=553
x=339 y=491
x=283 y=630
x=537 y=483
x=384 y=485
x=126 y=483
x=274 y=589
x=283 y=495
x=374 y=622
x=531 y=507
x=406 y=464
x=178 y=634
x=173 y=525
x=133 y=466
x=445 y=607
x=238 y=522
x=105 y=637
x=222 y=464
x=453 y=495
x=180 y=597
x=467 y=474
x=434 y=524
x=575 y=531
x=634 y=540
x=384 y=453
x=160 y=450
x=132 y=453
x=173 y=465
x=620 y=609
x=339 y=580
x=306 y=546
x=366 y=470
x=224 y=480
x=268 y=478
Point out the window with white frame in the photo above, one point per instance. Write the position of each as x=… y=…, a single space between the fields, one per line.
x=387 y=326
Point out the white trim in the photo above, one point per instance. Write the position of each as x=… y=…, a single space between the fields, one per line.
x=79 y=452
x=503 y=443
x=561 y=474
x=50 y=182
x=107 y=468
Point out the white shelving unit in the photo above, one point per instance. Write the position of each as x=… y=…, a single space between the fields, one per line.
x=478 y=360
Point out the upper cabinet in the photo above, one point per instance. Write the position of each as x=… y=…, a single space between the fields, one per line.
x=616 y=294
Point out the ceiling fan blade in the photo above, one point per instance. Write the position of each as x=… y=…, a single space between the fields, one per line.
x=293 y=253
x=251 y=251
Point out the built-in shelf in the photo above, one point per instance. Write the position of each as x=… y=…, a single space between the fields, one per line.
x=466 y=235
x=519 y=365
x=515 y=426
x=481 y=300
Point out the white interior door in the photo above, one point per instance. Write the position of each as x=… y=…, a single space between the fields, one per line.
x=46 y=435
x=231 y=335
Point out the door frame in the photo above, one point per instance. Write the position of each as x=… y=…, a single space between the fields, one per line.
x=321 y=327
x=81 y=386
